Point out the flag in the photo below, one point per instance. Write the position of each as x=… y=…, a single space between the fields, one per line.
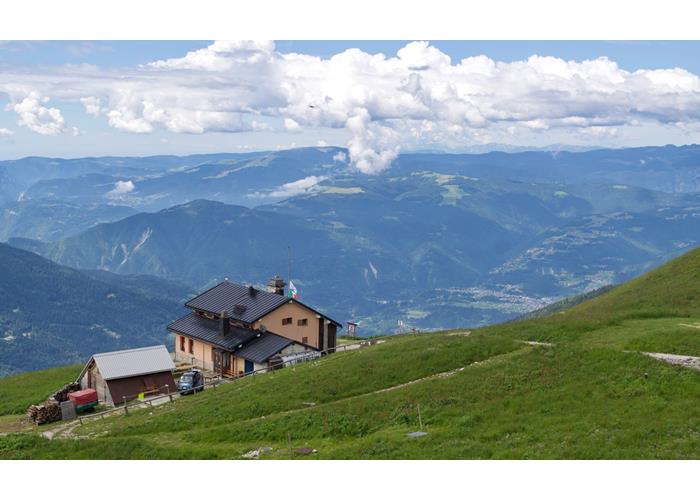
x=293 y=290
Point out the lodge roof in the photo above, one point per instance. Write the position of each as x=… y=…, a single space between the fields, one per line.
x=264 y=347
x=238 y=301
x=243 y=303
x=207 y=330
x=132 y=362
x=249 y=344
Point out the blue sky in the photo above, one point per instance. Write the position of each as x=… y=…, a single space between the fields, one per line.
x=630 y=55
x=74 y=99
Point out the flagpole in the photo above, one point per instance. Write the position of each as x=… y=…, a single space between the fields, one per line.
x=289 y=264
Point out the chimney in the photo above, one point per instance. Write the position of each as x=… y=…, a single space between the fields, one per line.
x=224 y=325
x=276 y=285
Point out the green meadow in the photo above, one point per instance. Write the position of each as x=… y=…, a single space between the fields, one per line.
x=575 y=384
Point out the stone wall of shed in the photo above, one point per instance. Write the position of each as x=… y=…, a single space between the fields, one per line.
x=92 y=379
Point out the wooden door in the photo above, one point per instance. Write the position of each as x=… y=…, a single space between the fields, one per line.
x=226 y=362
x=249 y=366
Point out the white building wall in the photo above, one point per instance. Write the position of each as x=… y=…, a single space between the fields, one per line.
x=294 y=348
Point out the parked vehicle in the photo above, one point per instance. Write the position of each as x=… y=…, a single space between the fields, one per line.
x=191 y=382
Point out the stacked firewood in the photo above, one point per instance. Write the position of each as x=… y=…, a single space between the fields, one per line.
x=49 y=411
x=62 y=394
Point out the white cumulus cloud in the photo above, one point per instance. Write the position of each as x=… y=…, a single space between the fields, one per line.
x=384 y=102
x=121 y=188
x=92 y=105
x=291 y=125
x=37 y=117
x=306 y=185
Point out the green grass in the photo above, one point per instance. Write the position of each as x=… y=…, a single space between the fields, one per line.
x=485 y=395
x=19 y=391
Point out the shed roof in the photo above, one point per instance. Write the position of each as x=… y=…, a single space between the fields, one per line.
x=133 y=362
x=264 y=347
x=207 y=330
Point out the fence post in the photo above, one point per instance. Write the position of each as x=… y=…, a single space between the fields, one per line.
x=126 y=409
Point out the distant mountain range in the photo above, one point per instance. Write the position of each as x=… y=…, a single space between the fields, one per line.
x=437 y=240
x=50 y=220
x=504 y=148
x=53 y=315
x=252 y=179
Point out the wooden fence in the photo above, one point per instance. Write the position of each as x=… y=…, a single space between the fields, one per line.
x=167 y=392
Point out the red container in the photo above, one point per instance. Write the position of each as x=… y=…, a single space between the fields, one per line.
x=83 y=397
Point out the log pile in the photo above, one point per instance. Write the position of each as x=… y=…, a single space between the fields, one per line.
x=62 y=394
x=49 y=411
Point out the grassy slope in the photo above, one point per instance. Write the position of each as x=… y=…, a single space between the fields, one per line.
x=19 y=391
x=587 y=396
x=564 y=304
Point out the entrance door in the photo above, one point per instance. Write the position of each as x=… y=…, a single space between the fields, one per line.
x=249 y=366
x=226 y=362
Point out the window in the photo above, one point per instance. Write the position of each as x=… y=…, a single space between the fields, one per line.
x=286 y=321
x=191 y=346
x=303 y=322
x=182 y=344
x=305 y=340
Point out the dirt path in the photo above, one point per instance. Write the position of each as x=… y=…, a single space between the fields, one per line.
x=537 y=342
x=435 y=376
x=67 y=432
x=460 y=333
x=63 y=430
x=692 y=362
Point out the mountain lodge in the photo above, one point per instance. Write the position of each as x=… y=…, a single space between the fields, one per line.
x=234 y=329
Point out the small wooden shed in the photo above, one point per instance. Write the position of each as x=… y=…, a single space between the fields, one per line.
x=123 y=375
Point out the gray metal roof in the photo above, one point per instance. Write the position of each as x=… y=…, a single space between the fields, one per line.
x=207 y=330
x=264 y=347
x=238 y=301
x=227 y=295
x=133 y=362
